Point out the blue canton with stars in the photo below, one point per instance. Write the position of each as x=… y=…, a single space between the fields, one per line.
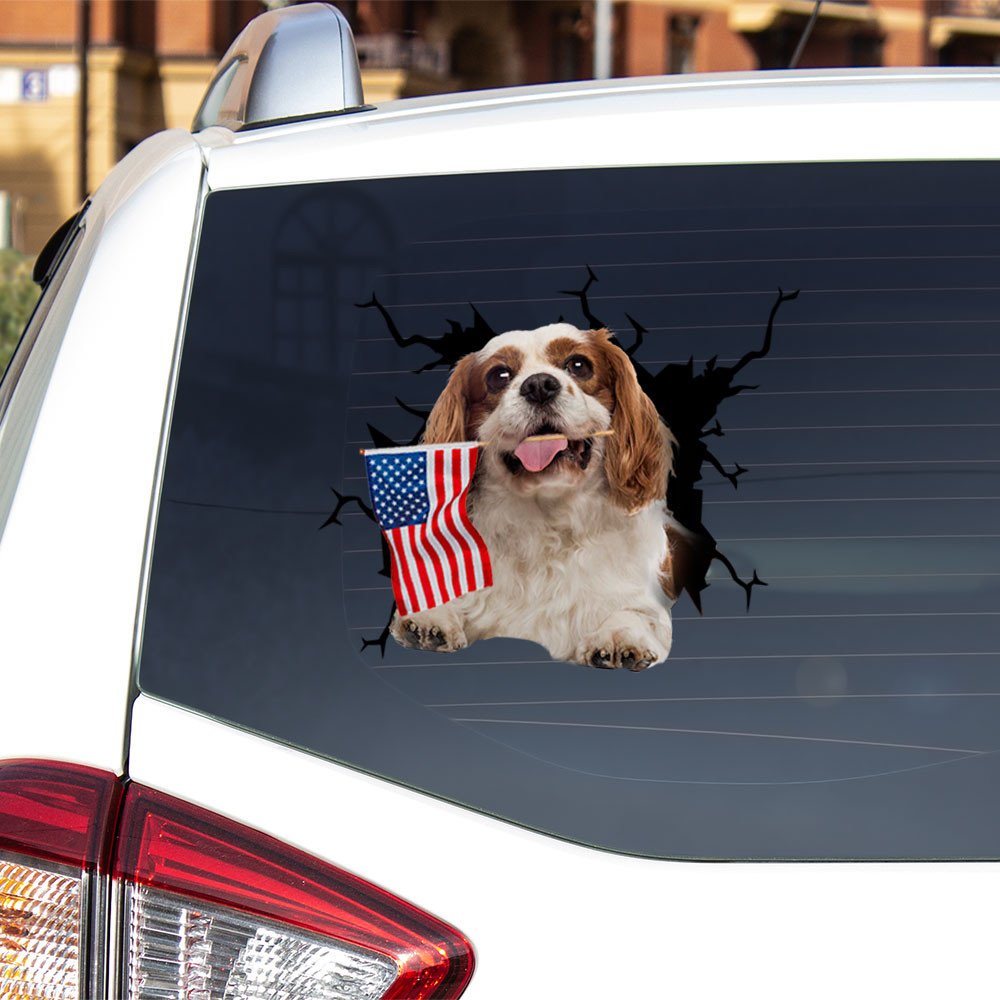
x=398 y=486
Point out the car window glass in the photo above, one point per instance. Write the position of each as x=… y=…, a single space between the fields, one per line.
x=829 y=694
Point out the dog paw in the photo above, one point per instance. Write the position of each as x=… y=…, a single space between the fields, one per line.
x=612 y=657
x=638 y=659
x=629 y=641
x=601 y=658
x=430 y=630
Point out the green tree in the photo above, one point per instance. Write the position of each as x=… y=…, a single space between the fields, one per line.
x=18 y=294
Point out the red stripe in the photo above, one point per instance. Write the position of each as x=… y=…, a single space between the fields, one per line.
x=487 y=565
x=425 y=580
x=454 y=501
x=402 y=585
x=483 y=552
x=462 y=515
x=442 y=516
x=434 y=561
x=458 y=549
x=412 y=560
x=433 y=539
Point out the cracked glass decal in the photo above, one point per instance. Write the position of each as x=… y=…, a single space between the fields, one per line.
x=804 y=354
x=686 y=400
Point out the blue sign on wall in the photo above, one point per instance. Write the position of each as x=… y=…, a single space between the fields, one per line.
x=34 y=85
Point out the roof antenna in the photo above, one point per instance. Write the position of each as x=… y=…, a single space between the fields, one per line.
x=805 y=35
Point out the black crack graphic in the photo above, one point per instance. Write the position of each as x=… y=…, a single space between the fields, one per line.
x=383 y=637
x=342 y=501
x=599 y=324
x=687 y=399
x=450 y=347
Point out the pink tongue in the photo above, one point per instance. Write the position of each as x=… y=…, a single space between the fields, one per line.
x=537 y=455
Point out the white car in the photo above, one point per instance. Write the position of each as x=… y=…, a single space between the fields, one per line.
x=222 y=777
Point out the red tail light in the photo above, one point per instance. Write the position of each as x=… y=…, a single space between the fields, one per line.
x=168 y=845
x=212 y=908
x=55 y=821
x=61 y=812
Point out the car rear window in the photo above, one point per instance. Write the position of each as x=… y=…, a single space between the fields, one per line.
x=831 y=688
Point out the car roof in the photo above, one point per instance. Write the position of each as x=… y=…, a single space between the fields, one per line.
x=775 y=116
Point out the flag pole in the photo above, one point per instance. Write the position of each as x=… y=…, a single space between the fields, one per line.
x=533 y=437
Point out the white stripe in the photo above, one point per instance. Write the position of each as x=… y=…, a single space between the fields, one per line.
x=423 y=553
x=722 y=697
x=477 y=563
x=430 y=535
x=458 y=546
x=448 y=504
x=398 y=557
x=723 y=732
x=421 y=601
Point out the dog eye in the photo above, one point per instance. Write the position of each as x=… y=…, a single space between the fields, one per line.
x=497 y=379
x=579 y=367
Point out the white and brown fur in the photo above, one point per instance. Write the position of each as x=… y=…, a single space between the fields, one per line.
x=580 y=553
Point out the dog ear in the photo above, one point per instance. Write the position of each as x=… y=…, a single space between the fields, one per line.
x=447 y=423
x=638 y=456
x=686 y=563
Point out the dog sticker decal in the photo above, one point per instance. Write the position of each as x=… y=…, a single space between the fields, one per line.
x=585 y=493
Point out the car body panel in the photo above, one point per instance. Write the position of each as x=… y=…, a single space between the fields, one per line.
x=72 y=552
x=553 y=919
x=824 y=116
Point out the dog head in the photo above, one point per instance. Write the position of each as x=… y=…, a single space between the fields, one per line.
x=564 y=383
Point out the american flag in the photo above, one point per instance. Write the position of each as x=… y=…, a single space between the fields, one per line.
x=419 y=495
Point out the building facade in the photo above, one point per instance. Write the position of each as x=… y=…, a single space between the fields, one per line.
x=147 y=64
x=83 y=81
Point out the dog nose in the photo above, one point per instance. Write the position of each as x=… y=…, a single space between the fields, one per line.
x=540 y=388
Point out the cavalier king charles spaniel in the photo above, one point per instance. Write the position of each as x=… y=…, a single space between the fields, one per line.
x=576 y=525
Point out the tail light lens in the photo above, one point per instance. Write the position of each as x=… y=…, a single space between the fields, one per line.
x=41 y=923
x=212 y=909
x=183 y=948
x=211 y=900
x=55 y=822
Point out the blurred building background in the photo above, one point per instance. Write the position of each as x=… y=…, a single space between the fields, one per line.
x=83 y=81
